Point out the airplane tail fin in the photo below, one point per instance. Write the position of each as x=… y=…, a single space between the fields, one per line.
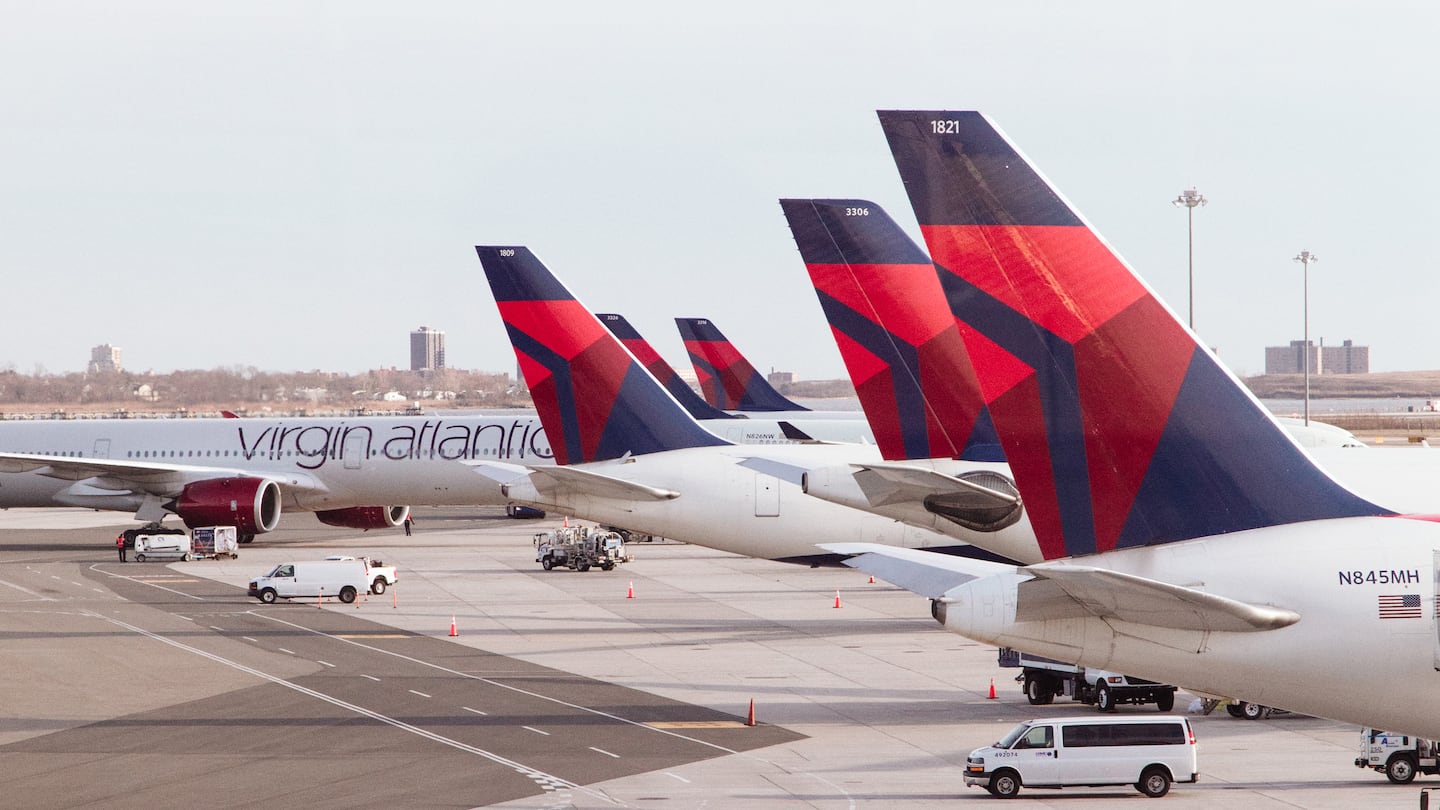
x=899 y=340
x=726 y=377
x=595 y=400
x=661 y=370
x=1120 y=427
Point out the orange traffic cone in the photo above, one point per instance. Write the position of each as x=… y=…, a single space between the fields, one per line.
x=454 y=634
x=837 y=597
x=630 y=591
x=992 y=689
x=394 y=599
x=750 y=718
x=872 y=579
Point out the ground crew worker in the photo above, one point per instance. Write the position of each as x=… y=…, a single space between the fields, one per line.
x=120 y=546
x=408 y=521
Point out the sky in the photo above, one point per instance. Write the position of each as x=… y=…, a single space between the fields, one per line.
x=298 y=185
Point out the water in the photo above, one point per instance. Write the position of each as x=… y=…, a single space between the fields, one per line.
x=1296 y=407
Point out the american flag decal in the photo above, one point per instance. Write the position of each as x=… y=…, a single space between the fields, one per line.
x=1400 y=606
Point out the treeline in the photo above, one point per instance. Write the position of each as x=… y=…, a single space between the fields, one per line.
x=247 y=388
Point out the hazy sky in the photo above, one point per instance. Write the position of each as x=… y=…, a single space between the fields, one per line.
x=297 y=185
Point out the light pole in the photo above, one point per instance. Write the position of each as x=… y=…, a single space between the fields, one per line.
x=1190 y=198
x=1305 y=258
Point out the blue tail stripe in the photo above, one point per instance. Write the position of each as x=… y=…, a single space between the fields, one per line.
x=564 y=387
x=984 y=442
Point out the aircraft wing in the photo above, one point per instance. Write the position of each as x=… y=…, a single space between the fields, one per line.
x=1068 y=590
x=545 y=485
x=138 y=476
x=885 y=484
x=923 y=572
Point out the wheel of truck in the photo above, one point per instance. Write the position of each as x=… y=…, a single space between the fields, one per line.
x=1233 y=709
x=1165 y=701
x=1251 y=711
x=347 y=594
x=1400 y=769
x=268 y=596
x=1154 y=782
x=1037 y=691
x=186 y=558
x=607 y=566
x=547 y=563
x=378 y=586
x=139 y=558
x=1005 y=784
x=1104 y=699
x=582 y=566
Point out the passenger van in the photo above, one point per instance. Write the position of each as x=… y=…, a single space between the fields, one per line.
x=313 y=578
x=1149 y=753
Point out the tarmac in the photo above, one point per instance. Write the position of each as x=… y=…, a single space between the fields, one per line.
x=163 y=684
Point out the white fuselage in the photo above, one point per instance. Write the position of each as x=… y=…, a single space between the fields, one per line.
x=1341 y=660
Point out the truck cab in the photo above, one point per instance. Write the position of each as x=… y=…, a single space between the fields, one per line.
x=1399 y=756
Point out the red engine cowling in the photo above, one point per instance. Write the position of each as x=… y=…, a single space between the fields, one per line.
x=251 y=505
x=365 y=517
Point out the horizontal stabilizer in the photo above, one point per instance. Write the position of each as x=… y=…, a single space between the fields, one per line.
x=894 y=483
x=792 y=473
x=1057 y=592
x=576 y=481
x=922 y=572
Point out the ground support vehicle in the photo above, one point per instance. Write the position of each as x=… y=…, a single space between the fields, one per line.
x=1399 y=756
x=1045 y=678
x=1147 y=752
x=344 y=579
x=381 y=575
x=214 y=541
x=579 y=548
x=170 y=545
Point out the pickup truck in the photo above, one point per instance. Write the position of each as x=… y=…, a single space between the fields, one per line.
x=381 y=575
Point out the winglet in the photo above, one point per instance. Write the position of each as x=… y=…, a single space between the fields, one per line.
x=727 y=378
x=595 y=400
x=659 y=369
x=1120 y=428
x=900 y=342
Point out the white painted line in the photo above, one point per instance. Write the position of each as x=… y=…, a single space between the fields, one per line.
x=52 y=576
x=677 y=776
x=325 y=663
x=536 y=730
x=287 y=652
x=539 y=777
x=421 y=694
x=28 y=591
x=371 y=677
x=249 y=639
x=217 y=629
x=187 y=618
x=77 y=584
x=603 y=751
x=476 y=711
x=98 y=590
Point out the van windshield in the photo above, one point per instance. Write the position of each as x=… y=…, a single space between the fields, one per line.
x=1015 y=734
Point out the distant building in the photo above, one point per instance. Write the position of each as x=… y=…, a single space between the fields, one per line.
x=1347 y=358
x=104 y=359
x=427 y=349
x=780 y=378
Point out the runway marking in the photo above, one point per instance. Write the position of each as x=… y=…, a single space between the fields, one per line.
x=97 y=569
x=421 y=694
x=536 y=730
x=325 y=664
x=476 y=711
x=499 y=685
x=603 y=751
x=677 y=776
x=287 y=652
x=543 y=780
x=25 y=590
x=249 y=639
x=372 y=635
x=217 y=629
x=371 y=677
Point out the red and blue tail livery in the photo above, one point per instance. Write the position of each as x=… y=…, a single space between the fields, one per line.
x=896 y=334
x=1120 y=428
x=726 y=377
x=595 y=401
x=659 y=369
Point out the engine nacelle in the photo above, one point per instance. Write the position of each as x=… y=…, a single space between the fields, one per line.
x=251 y=505
x=365 y=517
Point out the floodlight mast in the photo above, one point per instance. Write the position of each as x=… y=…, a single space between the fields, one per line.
x=1305 y=257
x=1190 y=198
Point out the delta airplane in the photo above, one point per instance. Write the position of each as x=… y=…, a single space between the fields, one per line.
x=628 y=454
x=1187 y=537
x=728 y=380
x=744 y=428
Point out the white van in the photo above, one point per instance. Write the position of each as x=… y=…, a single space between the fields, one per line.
x=342 y=578
x=165 y=546
x=1148 y=753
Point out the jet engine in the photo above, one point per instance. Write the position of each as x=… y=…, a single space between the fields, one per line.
x=251 y=505
x=365 y=517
